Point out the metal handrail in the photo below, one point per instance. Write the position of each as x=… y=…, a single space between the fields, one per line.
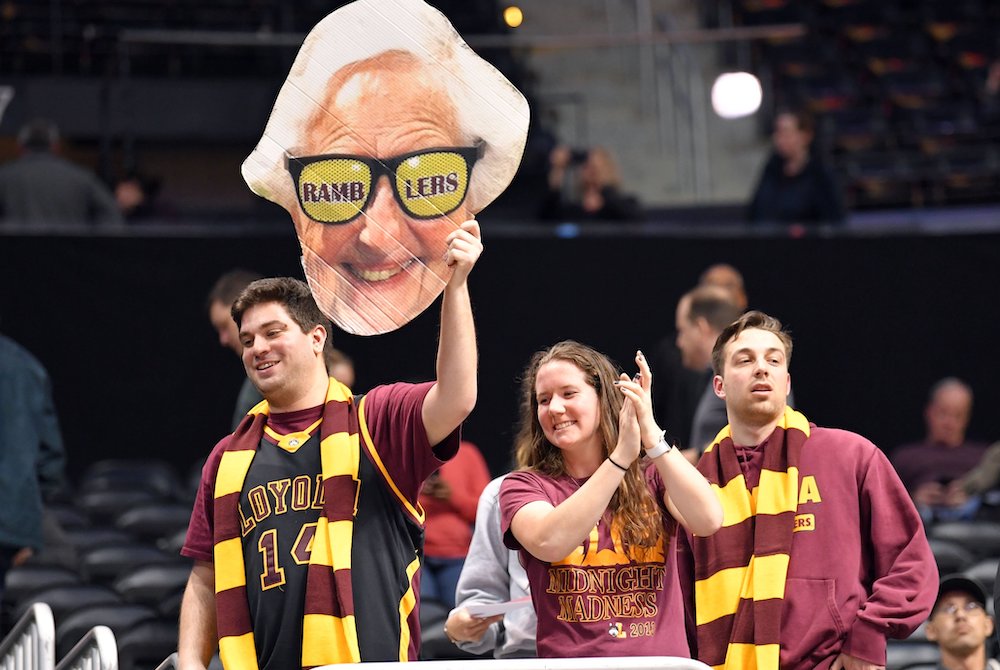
x=31 y=643
x=98 y=650
x=169 y=663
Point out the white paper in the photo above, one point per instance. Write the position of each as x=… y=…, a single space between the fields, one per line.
x=490 y=609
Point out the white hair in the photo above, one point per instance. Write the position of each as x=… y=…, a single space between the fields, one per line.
x=489 y=108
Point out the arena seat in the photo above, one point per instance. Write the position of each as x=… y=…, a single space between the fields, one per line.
x=950 y=556
x=102 y=565
x=980 y=538
x=151 y=475
x=146 y=643
x=68 y=598
x=154 y=521
x=103 y=506
x=984 y=572
x=119 y=618
x=904 y=655
x=152 y=584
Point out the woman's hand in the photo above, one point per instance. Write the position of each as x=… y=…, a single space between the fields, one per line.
x=629 y=444
x=639 y=393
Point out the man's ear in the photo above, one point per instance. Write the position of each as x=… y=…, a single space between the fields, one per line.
x=717 y=386
x=930 y=631
x=319 y=336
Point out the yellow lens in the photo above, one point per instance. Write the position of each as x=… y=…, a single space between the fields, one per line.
x=432 y=184
x=334 y=190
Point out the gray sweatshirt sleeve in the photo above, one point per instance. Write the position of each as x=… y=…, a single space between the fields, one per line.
x=493 y=574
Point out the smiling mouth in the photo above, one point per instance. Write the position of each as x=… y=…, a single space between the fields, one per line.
x=563 y=424
x=267 y=365
x=372 y=274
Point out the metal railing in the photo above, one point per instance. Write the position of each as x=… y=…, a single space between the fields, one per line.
x=98 y=650
x=169 y=663
x=31 y=643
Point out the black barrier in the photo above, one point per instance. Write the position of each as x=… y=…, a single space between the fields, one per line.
x=120 y=323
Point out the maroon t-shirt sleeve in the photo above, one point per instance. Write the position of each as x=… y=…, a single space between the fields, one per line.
x=518 y=489
x=199 y=542
x=394 y=418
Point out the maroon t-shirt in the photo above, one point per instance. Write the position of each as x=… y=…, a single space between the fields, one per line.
x=599 y=600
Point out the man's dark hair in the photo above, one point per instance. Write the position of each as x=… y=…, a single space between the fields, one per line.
x=228 y=287
x=713 y=304
x=38 y=135
x=294 y=295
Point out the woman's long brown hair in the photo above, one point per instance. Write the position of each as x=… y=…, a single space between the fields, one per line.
x=632 y=508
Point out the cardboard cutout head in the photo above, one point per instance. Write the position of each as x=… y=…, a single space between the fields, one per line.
x=388 y=133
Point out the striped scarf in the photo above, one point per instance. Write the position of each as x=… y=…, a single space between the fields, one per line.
x=329 y=634
x=740 y=570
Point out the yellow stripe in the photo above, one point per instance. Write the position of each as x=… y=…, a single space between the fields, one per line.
x=327 y=639
x=260 y=408
x=777 y=492
x=337 y=391
x=750 y=657
x=232 y=471
x=339 y=454
x=735 y=499
x=238 y=652
x=229 y=571
x=723 y=434
x=417 y=511
x=795 y=421
x=719 y=595
x=336 y=553
x=406 y=605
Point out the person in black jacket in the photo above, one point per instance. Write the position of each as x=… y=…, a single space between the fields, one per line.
x=795 y=186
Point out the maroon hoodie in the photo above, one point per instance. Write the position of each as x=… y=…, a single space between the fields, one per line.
x=861 y=570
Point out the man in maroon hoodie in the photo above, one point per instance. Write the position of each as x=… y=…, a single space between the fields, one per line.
x=822 y=556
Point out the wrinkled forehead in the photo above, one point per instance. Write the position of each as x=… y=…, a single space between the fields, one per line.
x=396 y=82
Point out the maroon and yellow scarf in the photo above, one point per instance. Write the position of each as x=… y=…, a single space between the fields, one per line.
x=740 y=571
x=329 y=634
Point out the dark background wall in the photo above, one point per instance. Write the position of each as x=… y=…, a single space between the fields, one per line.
x=137 y=372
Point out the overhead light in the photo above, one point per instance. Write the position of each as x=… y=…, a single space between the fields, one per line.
x=513 y=16
x=736 y=94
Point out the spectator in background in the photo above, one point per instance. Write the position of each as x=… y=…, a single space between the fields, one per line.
x=795 y=188
x=960 y=625
x=709 y=309
x=219 y=304
x=991 y=96
x=339 y=365
x=492 y=574
x=449 y=498
x=42 y=187
x=31 y=453
x=726 y=276
x=598 y=188
x=136 y=195
x=932 y=470
x=679 y=388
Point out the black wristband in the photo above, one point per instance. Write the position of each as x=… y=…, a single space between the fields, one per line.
x=616 y=465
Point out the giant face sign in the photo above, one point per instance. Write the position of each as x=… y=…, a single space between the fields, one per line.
x=388 y=133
